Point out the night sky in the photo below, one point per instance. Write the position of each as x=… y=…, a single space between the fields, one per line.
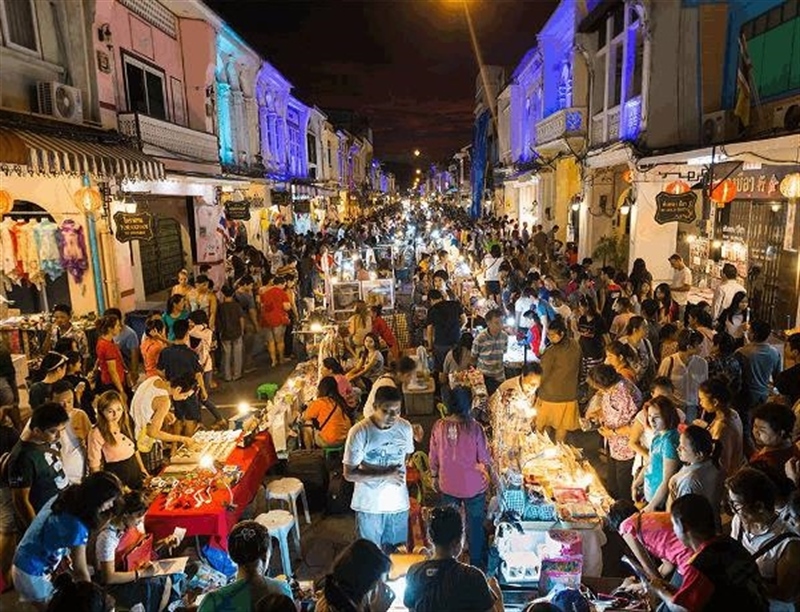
x=408 y=65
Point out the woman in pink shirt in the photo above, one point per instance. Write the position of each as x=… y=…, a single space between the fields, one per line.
x=111 y=446
x=332 y=367
x=460 y=464
x=651 y=538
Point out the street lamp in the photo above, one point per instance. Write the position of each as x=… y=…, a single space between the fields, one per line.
x=419 y=171
x=416 y=153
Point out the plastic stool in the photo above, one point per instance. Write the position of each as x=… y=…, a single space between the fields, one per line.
x=333 y=450
x=288 y=490
x=267 y=391
x=279 y=523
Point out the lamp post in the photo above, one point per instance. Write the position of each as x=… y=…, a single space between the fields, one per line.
x=88 y=200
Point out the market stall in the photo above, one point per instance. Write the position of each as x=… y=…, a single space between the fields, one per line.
x=552 y=500
x=203 y=498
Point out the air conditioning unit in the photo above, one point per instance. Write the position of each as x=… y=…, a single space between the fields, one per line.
x=720 y=126
x=60 y=101
x=786 y=116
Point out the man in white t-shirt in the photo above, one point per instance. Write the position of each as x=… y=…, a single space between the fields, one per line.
x=375 y=457
x=729 y=287
x=681 y=281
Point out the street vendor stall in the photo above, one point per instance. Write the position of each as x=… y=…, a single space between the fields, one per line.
x=552 y=500
x=206 y=500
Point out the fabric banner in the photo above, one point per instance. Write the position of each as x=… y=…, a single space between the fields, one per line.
x=479 y=146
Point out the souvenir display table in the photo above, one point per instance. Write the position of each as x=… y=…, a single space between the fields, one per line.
x=210 y=503
x=555 y=498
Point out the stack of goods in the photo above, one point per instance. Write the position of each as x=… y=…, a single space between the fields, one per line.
x=554 y=481
x=298 y=390
x=217 y=445
x=195 y=489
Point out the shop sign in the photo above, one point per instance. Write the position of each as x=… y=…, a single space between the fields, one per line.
x=761 y=184
x=237 y=211
x=280 y=198
x=676 y=207
x=134 y=226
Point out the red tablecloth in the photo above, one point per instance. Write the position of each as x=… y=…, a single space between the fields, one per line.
x=214 y=519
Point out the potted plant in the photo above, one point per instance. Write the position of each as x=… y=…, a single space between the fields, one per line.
x=612 y=250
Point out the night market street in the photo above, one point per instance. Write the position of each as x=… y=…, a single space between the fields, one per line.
x=399 y=306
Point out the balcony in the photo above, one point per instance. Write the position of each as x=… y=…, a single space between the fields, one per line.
x=555 y=132
x=165 y=139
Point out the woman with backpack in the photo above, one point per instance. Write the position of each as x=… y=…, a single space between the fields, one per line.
x=460 y=466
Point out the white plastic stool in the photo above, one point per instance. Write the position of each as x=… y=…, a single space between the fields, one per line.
x=288 y=490
x=279 y=523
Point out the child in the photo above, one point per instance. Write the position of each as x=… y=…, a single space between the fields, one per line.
x=534 y=335
x=75 y=435
x=230 y=325
x=84 y=394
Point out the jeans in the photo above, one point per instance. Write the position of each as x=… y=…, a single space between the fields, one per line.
x=232 y=357
x=389 y=528
x=475 y=510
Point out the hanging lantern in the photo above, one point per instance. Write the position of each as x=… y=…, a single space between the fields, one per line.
x=790 y=186
x=627 y=176
x=677 y=187
x=88 y=199
x=6 y=202
x=723 y=192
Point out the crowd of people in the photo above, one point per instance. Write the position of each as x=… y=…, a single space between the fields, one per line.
x=697 y=417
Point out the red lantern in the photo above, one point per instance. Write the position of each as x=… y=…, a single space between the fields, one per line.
x=88 y=199
x=723 y=192
x=677 y=187
x=6 y=202
x=627 y=176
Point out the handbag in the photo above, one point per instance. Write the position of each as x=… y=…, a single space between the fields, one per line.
x=134 y=550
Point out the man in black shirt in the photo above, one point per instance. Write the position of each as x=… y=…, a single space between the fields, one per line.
x=443 y=326
x=443 y=584
x=178 y=360
x=35 y=472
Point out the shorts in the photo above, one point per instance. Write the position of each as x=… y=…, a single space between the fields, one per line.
x=188 y=410
x=274 y=334
x=383 y=528
x=8 y=521
x=31 y=588
x=558 y=415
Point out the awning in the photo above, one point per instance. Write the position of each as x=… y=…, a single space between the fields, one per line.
x=96 y=155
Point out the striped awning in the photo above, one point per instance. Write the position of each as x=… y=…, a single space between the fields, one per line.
x=93 y=155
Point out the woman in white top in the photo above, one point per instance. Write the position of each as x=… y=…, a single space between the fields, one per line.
x=734 y=318
x=140 y=586
x=756 y=525
x=150 y=412
x=491 y=270
x=687 y=370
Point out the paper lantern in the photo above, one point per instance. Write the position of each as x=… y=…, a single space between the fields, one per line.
x=6 y=202
x=88 y=199
x=677 y=187
x=723 y=192
x=790 y=186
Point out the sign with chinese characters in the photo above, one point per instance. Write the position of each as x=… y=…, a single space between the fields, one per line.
x=134 y=226
x=237 y=211
x=671 y=207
